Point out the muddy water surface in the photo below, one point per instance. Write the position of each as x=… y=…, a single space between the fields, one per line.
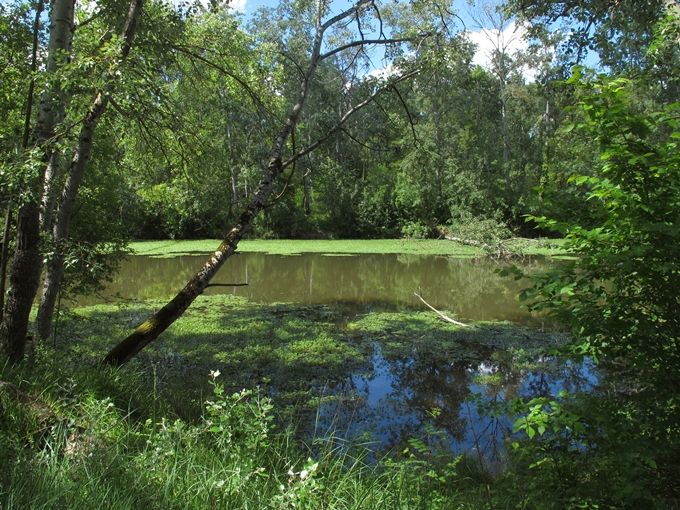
x=470 y=288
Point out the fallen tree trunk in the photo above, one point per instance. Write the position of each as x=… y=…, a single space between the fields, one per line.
x=469 y=242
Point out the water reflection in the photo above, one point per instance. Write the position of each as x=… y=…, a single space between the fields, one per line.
x=458 y=404
x=470 y=288
x=442 y=384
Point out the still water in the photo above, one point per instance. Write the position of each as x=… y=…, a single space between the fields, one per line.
x=461 y=405
x=456 y=401
x=472 y=289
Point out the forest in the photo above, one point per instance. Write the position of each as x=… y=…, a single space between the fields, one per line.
x=340 y=254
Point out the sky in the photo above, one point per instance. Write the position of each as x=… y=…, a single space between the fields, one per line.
x=479 y=26
x=477 y=23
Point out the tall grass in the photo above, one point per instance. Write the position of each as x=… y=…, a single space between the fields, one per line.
x=95 y=438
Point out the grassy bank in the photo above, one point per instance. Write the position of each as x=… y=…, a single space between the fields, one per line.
x=163 y=433
x=169 y=248
x=84 y=438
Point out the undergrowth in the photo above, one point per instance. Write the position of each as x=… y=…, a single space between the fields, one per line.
x=88 y=437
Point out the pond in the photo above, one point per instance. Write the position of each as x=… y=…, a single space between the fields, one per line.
x=418 y=379
x=470 y=288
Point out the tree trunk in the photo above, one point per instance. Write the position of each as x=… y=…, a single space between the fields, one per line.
x=232 y=171
x=307 y=192
x=61 y=28
x=25 y=273
x=151 y=328
x=50 y=189
x=6 y=232
x=3 y=256
x=60 y=230
x=55 y=266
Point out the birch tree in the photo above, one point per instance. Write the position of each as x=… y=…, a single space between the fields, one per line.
x=280 y=157
x=25 y=271
x=74 y=176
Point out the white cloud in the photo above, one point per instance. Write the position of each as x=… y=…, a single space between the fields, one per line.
x=511 y=39
x=383 y=73
x=238 y=5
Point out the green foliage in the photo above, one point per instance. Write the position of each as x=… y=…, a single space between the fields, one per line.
x=72 y=447
x=547 y=414
x=168 y=210
x=15 y=43
x=415 y=230
x=489 y=231
x=620 y=41
x=620 y=295
x=180 y=153
x=99 y=229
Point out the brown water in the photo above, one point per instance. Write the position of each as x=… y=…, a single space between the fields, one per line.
x=471 y=289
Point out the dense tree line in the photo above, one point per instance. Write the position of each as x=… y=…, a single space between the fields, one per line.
x=457 y=141
x=187 y=129
x=126 y=119
x=119 y=125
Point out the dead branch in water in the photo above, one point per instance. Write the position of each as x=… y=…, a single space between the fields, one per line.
x=440 y=314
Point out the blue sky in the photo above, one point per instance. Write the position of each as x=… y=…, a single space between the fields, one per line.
x=462 y=7
x=480 y=26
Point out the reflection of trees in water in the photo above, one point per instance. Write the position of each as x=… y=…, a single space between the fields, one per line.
x=471 y=288
x=436 y=383
x=394 y=400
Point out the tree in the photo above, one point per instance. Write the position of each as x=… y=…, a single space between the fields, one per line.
x=77 y=166
x=619 y=31
x=13 y=45
x=25 y=271
x=200 y=117
x=619 y=296
x=151 y=328
x=27 y=264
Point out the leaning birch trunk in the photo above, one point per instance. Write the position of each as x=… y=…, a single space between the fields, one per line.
x=151 y=328
x=25 y=272
x=55 y=266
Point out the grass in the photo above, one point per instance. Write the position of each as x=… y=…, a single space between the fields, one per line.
x=161 y=433
x=88 y=451
x=168 y=248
